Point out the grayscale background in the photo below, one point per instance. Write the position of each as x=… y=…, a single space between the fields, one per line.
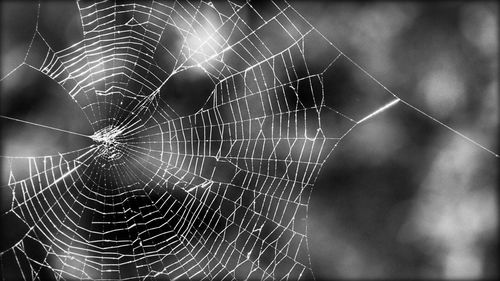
x=401 y=196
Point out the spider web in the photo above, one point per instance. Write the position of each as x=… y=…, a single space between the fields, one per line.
x=219 y=194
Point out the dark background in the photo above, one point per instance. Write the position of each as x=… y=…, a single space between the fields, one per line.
x=401 y=196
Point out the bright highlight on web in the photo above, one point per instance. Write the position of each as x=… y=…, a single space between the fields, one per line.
x=219 y=194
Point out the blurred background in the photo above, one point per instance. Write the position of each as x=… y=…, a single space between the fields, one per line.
x=401 y=196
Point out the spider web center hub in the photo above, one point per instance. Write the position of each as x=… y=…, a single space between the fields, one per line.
x=110 y=146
